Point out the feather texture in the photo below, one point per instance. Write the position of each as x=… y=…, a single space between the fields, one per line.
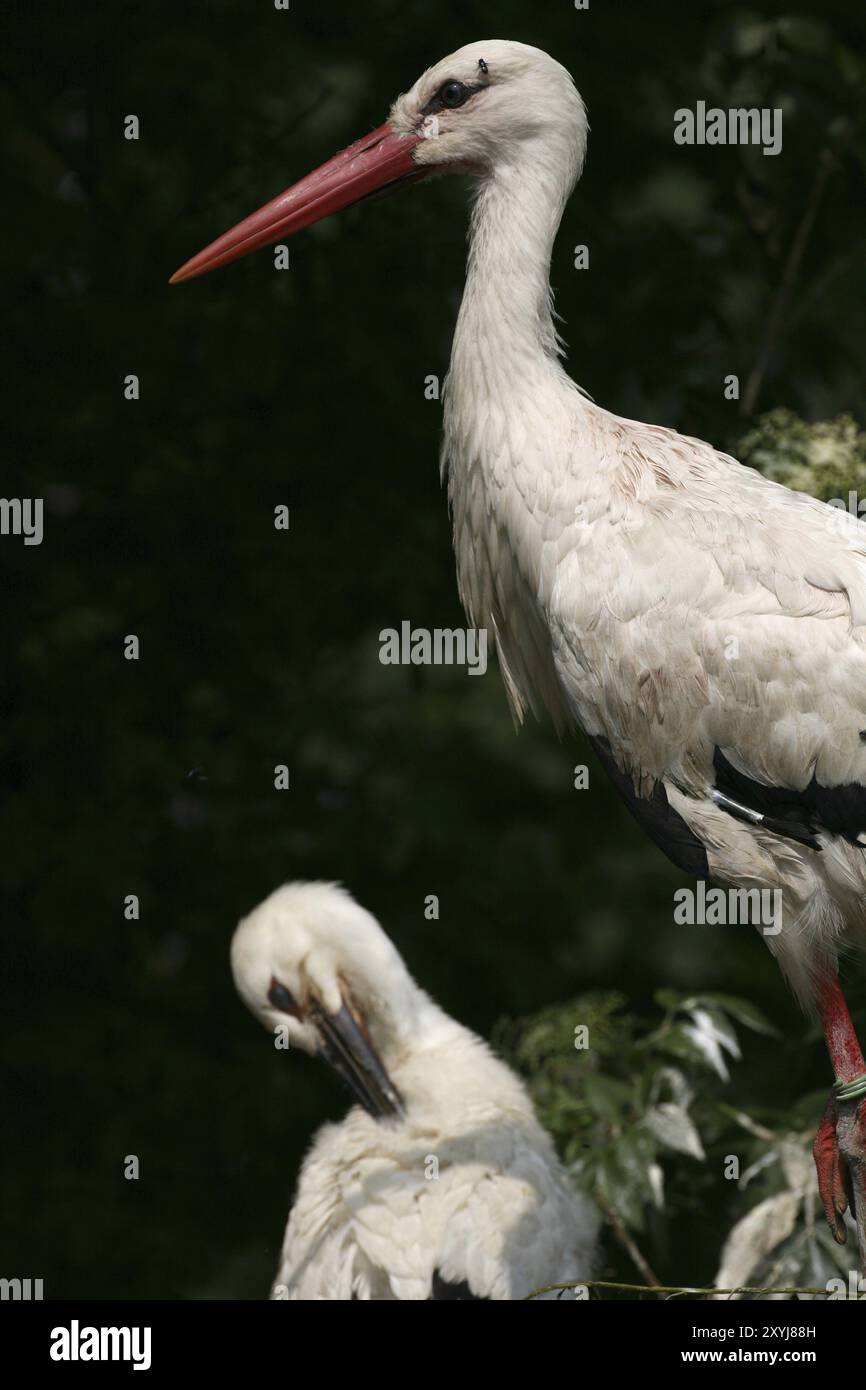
x=457 y=1185
x=650 y=590
x=369 y=1222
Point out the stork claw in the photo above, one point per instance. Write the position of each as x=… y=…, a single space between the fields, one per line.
x=825 y=1152
x=840 y=1159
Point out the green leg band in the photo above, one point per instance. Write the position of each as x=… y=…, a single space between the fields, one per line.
x=851 y=1090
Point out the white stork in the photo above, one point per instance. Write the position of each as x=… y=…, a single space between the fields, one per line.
x=440 y=1183
x=705 y=627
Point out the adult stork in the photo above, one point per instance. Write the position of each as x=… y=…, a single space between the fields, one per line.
x=440 y=1183
x=705 y=627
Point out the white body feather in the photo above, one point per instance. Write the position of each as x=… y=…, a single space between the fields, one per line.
x=370 y=1222
x=464 y=1186
x=616 y=561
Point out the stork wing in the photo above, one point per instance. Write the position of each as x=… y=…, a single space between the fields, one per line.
x=722 y=644
x=373 y=1221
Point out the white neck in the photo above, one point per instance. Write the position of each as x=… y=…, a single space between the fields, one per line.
x=505 y=327
x=507 y=396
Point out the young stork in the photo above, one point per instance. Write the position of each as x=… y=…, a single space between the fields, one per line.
x=440 y=1183
x=705 y=627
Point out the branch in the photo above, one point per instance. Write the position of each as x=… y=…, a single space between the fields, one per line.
x=786 y=284
x=660 y=1288
x=641 y=1264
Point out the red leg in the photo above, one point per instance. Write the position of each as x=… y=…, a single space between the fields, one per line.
x=840 y=1146
x=842 y=1041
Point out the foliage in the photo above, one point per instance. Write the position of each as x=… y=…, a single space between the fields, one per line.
x=306 y=388
x=826 y=458
x=629 y=1111
x=641 y=1115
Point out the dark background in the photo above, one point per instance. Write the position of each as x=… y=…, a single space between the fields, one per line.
x=260 y=647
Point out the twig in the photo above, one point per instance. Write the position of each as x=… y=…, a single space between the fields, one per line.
x=747 y=1123
x=626 y=1241
x=786 y=284
x=659 y=1288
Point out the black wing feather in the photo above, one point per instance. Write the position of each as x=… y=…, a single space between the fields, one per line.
x=656 y=816
x=798 y=815
x=795 y=815
x=443 y=1291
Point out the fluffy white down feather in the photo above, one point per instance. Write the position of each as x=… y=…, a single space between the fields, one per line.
x=368 y=1223
x=369 y=1219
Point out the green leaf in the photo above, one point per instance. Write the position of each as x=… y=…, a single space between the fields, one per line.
x=607 y=1097
x=669 y=999
x=677 y=1042
x=744 y=1012
x=671 y=1125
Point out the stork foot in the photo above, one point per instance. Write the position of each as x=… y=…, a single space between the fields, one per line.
x=840 y=1158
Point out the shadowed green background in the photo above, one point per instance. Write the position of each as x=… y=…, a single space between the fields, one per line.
x=259 y=647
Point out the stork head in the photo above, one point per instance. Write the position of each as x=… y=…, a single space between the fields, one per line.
x=491 y=107
x=481 y=107
x=311 y=959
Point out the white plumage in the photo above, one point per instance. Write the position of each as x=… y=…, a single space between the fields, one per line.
x=370 y=1220
x=704 y=626
x=615 y=561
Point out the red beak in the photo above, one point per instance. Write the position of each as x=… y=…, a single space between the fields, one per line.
x=370 y=165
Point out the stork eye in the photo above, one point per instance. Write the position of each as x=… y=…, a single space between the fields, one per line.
x=450 y=95
x=281 y=999
x=453 y=94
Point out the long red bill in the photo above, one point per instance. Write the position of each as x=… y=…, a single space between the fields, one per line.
x=368 y=166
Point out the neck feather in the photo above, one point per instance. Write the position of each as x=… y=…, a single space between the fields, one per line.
x=506 y=316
